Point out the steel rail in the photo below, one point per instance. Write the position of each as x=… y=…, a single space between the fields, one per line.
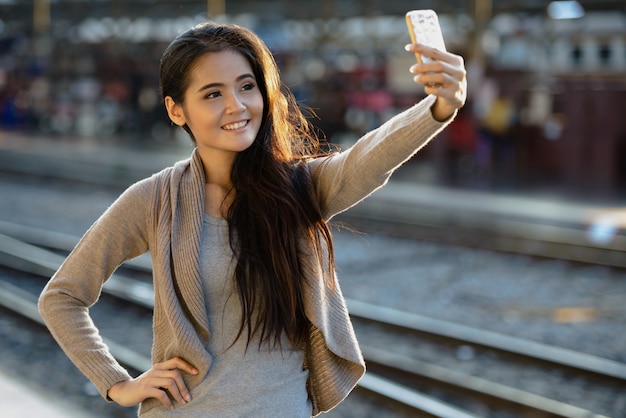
x=25 y=304
x=412 y=398
x=27 y=257
x=501 y=342
x=475 y=384
x=485 y=220
x=60 y=241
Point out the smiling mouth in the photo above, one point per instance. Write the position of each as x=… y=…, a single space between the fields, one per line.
x=235 y=126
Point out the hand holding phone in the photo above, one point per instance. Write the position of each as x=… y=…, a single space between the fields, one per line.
x=447 y=82
x=424 y=29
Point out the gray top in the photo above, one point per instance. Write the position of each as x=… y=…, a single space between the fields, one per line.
x=227 y=390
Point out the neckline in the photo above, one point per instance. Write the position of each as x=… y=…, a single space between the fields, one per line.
x=213 y=220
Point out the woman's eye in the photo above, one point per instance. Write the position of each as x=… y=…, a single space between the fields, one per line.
x=248 y=86
x=212 y=95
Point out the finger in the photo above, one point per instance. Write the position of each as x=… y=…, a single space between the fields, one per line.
x=440 y=81
x=450 y=84
x=445 y=69
x=450 y=89
x=432 y=67
x=174 y=385
x=436 y=90
x=177 y=363
x=162 y=396
x=170 y=378
x=436 y=54
x=433 y=79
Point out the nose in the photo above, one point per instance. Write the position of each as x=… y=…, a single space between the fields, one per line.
x=235 y=105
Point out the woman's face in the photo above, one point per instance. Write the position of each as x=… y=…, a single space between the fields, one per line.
x=223 y=105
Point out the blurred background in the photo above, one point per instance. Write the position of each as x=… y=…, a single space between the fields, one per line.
x=511 y=221
x=547 y=79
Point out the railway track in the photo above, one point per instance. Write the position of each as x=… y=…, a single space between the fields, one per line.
x=515 y=224
x=418 y=387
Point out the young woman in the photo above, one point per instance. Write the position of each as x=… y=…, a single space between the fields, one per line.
x=249 y=319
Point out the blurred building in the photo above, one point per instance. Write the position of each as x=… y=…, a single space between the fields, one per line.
x=546 y=89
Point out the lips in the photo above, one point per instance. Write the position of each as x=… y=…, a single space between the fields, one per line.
x=235 y=125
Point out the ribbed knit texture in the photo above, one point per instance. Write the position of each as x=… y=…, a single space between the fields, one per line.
x=163 y=215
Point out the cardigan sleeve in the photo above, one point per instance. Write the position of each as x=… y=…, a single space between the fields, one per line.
x=121 y=233
x=345 y=178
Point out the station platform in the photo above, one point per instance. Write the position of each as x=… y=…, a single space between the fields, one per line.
x=19 y=400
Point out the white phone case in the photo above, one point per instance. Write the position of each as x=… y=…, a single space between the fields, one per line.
x=424 y=29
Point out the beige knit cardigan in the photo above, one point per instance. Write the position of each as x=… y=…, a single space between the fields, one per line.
x=163 y=215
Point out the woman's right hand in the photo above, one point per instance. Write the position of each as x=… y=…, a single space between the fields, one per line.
x=161 y=379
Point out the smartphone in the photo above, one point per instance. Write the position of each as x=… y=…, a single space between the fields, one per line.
x=424 y=29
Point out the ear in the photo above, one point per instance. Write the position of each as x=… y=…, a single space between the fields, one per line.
x=175 y=111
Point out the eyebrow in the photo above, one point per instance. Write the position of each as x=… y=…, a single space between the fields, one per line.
x=212 y=85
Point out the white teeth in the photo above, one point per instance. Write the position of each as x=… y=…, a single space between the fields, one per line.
x=235 y=126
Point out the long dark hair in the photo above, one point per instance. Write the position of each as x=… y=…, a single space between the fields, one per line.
x=274 y=206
